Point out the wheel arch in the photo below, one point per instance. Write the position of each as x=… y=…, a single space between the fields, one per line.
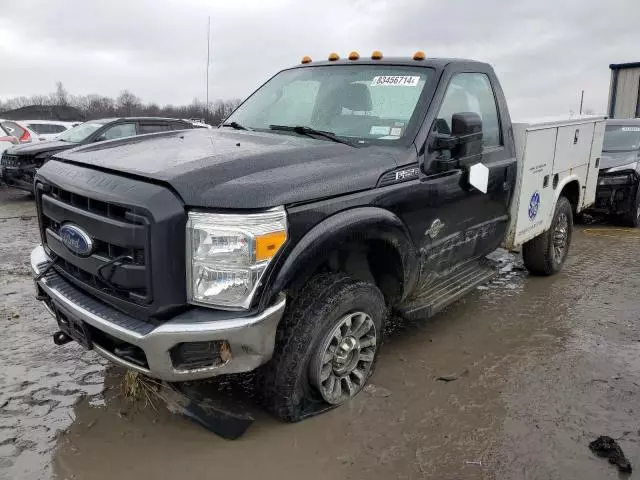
x=570 y=188
x=375 y=235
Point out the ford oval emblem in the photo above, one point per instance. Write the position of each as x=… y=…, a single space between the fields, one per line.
x=76 y=240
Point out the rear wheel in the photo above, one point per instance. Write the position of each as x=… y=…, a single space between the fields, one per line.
x=326 y=346
x=546 y=253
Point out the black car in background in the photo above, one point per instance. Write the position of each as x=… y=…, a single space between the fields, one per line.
x=19 y=164
x=617 y=193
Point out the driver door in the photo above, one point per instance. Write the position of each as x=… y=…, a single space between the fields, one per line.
x=459 y=222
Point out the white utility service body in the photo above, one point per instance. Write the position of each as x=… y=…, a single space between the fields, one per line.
x=550 y=155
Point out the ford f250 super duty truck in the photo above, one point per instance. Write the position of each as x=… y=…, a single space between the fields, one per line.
x=337 y=193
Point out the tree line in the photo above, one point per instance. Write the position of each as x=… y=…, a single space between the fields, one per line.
x=126 y=104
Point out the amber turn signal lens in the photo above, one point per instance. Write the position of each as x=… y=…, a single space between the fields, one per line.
x=333 y=57
x=419 y=55
x=268 y=245
x=376 y=55
x=354 y=56
x=306 y=59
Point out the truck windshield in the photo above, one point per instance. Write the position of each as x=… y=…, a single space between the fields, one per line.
x=363 y=102
x=79 y=133
x=618 y=138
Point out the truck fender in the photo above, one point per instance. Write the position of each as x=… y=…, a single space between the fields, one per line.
x=362 y=224
x=563 y=181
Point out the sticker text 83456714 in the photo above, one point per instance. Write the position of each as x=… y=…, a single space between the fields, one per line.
x=395 y=81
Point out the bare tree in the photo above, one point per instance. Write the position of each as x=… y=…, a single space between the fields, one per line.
x=61 y=96
x=128 y=103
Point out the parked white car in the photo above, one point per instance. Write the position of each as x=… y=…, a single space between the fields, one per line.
x=46 y=129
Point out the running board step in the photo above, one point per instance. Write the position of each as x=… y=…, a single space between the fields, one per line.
x=447 y=290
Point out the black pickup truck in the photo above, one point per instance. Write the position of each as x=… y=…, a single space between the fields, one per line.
x=337 y=192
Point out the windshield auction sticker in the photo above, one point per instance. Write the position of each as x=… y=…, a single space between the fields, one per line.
x=395 y=81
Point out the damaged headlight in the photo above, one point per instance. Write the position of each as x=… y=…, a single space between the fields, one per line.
x=227 y=255
x=614 y=180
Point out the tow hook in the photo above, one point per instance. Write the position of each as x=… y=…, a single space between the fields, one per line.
x=60 y=338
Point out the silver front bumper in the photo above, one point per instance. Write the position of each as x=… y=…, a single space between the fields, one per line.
x=251 y=338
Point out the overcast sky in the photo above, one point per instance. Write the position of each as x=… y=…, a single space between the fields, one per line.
x=544 y=51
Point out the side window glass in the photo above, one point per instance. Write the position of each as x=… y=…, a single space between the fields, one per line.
x=471 y=92
x=119 y=131
x=153 y=127
x=179 y=126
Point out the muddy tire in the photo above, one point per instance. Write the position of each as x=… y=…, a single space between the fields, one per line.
x=546 y=253
x=317 y=325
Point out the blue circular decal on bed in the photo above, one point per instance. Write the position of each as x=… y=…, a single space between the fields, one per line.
x=534 y=203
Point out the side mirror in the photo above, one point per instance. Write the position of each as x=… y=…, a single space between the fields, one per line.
x=101 y=138
x=466 y=127
x=444 y=141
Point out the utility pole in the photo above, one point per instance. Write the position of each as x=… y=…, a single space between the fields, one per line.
x=581 y=101
x=208 y=56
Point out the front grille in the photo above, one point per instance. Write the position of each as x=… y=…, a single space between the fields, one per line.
x=118 y=265
x=99 y=207
x=10 y=160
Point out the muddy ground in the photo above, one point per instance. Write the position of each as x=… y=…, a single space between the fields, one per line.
x=546 y=364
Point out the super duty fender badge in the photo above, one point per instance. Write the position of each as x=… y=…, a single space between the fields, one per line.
x=434 y=230
x=406 y=174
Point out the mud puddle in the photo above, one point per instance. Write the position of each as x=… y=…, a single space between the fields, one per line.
x=542 y=367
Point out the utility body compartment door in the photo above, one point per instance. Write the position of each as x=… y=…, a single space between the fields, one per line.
x=533 y=199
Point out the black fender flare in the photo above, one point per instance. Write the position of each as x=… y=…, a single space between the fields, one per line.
x=362 y=223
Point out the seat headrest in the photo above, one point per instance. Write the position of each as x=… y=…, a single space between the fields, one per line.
x=355 y=97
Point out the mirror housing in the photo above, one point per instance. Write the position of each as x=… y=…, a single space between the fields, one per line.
x=445 y=142
x=466 y=127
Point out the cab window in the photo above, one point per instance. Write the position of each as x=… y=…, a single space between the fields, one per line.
x=118 y=131
x=152 y=128
x=471 y=92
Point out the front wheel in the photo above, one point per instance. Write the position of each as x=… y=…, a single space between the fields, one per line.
x=546 y=253
x=326 y=346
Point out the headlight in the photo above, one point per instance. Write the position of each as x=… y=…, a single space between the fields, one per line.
x=227 y=255
x=614 y=180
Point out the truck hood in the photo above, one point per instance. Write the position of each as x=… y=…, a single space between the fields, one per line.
x=240 y=169
x=617 y=159
x=37 y=148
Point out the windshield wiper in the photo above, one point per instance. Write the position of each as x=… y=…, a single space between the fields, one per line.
x=310 y=132
x=235 y=126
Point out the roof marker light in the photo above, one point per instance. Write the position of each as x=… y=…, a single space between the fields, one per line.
x=306 y=59
x=376 y=55
x=419 y=55
x=354 y=56
x=333 y=57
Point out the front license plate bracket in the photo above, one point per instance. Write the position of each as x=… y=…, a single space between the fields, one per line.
x=75 y=328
